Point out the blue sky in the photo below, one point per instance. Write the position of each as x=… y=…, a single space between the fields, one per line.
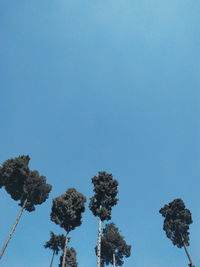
x=102 y=85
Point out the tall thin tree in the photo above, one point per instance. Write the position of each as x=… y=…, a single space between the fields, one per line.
x=105 y=192
x=113 y=246
x=23 y=185
x=176 y=224
x=67 y=212
x=55 y=243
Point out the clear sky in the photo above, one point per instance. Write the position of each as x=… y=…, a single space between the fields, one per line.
x=102 y=85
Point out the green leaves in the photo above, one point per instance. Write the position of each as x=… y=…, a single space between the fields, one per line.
x=36 y=190
x=70 y=258
x=176 y=222
x=105 y=192
x=67 y=209
x=113 y=243
x=22 y=183
x=13 y=174
x=55 y=243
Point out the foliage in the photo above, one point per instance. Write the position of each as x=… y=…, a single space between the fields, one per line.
x=36 y=190
x=22 y=183
x=113 y=243
x=67 y=209
x=105 y=192
x=13 y=173
x=176 y=222
x=70 y=258
x=55 y=243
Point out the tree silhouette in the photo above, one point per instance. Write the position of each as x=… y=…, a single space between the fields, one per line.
x=13 y=173
x=55 y=243
x=70 y=258
x=113 y=246
x=67 y=212
x=23 y=185
x=105 y=192
x=176 y=224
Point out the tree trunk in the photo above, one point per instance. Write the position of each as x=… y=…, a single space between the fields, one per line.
x=65 y=249
x=99 y=244
x=13 y=229
x=113 y=259
x=52 y=258
x=187 y=253
x=189 y=258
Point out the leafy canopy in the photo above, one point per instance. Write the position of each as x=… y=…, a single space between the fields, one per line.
x=13 y=173
x=55 y=243
x=70 y=258
x=67 y=209
x=105 y=192
x=176 y=222
x=22 y=183
x=113 y=243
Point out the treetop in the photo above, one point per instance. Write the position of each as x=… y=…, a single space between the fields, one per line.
x=67 y=209
x=176 y=222
x=56 y=242
x=105 y=192
x=22 y=183
x=113 y=243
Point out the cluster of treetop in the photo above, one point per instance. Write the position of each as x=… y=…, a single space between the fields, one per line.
x=31 y=189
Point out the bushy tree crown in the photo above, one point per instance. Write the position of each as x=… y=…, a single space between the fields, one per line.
x=105 y=192
x=176 y=222
x=22 y=183
x=56 y=242
x=13 y=173
x=113 y=243
x=67 y=209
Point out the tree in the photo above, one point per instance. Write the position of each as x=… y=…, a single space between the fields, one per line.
x=55 y=243
x=70 y=259
x=105 y=192
x=67 y=212
x=176 y=224
x=23 y=185
x=113 y=246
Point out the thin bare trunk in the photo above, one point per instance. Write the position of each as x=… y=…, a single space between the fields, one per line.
x=113 y=259
x=189 y=258
x=13 y=229
x=65 y=249
x=99 y=244
x=187 y=253
x=52 y=258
